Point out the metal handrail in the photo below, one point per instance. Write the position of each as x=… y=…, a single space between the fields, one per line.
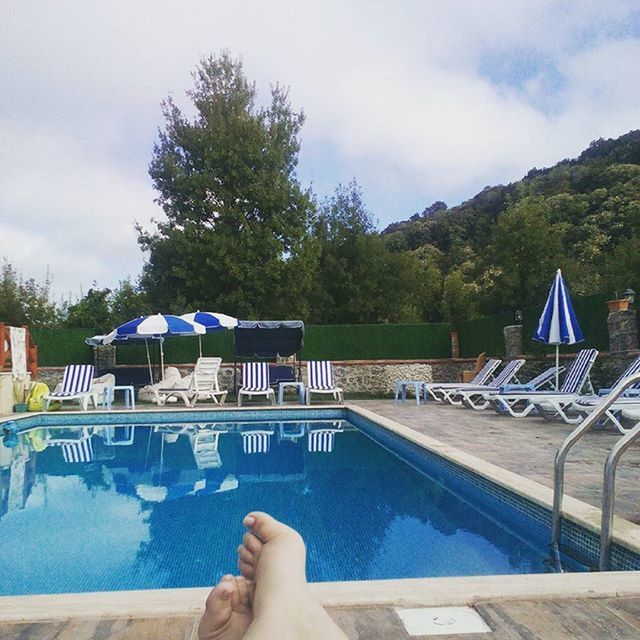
x=572 y=438
x=609 y=495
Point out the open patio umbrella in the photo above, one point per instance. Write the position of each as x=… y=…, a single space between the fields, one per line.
x=558 y=323
x=210 y=321
x=155 y=327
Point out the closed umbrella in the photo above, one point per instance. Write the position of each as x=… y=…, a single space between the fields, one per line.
x=558 y=323
x=154 y=328
x=211 y=322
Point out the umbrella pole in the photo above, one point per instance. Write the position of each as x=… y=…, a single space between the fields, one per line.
x=557 y=367
x=146 y=344
x=200 y=343
x=161 y=360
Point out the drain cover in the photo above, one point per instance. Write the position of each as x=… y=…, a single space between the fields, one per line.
x=439 y=621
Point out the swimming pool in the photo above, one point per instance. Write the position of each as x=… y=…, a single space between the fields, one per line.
x=155 y=500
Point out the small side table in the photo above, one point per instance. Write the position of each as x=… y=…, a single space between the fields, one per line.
x=129 y=396
x=298 y=385
x=400 y=387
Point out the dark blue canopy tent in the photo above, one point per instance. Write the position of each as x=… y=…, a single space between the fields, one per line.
x=269 y=339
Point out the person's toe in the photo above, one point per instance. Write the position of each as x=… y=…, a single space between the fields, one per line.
x=247 y=569
x=265 y=527
x=241 y=600
x=252 y=543
x=217 y=609
x=246 y=556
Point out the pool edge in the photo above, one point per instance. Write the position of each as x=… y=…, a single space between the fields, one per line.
x=625 y=533
x=404 y=593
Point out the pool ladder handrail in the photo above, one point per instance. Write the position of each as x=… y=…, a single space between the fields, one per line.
x=608 y=488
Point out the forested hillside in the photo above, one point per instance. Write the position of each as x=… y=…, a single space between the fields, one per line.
x=498 y=250
x=242 y=236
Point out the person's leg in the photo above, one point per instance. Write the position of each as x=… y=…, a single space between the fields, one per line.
x=273 y=557
x=228 y=612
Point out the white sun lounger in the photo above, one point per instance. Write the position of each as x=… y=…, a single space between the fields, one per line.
x=473 y=396
x=520 y=404
x=439 y=390
x=625 y=405
x=203 y=385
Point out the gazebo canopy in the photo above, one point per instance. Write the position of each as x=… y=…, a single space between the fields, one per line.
x=268 y=338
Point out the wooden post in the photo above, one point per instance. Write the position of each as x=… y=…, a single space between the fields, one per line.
x=3 y=353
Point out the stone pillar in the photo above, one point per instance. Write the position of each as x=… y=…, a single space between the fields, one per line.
x=455 y=345
x=623 y=330
x=513 y=341
x=104 y=357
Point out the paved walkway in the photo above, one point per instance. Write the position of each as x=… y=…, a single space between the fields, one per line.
x=587 y=619
x=526 y=446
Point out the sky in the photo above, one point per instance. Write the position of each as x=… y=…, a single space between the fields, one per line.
x=418 y=100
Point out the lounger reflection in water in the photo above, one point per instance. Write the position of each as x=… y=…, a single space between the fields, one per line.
x=78 y=449
x=256 y=441
x=322 y=440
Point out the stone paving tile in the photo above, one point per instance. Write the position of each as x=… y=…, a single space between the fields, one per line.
x=526 y=446
x=174 y=628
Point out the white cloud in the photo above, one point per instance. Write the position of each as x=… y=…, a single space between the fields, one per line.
x=420 y=100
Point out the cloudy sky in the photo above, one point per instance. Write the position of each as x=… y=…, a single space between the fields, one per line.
x=420 y=100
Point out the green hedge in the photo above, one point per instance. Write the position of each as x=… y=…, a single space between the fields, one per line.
x=57 y=347
x=485 y=334
x=377 y=342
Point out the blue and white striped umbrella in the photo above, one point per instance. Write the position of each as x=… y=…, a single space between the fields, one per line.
x=558 y=323
x=159 y=325
x=210 y=321
x=155 y=327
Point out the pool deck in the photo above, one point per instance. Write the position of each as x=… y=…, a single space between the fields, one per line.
x=526 y=446
x=541 y=607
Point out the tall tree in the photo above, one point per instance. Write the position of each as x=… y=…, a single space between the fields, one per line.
x=360 y=280
x=236 y=238
x=26 y=301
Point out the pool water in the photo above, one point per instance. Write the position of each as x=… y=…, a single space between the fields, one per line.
x=160 y=506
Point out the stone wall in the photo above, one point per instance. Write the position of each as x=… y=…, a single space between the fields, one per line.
x=361 y=376
x=376 y=377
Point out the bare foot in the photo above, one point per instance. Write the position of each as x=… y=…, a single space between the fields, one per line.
x=228 y=612
x=273 y=556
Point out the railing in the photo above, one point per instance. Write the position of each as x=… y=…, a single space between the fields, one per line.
x=609 y=495
x=610 y=469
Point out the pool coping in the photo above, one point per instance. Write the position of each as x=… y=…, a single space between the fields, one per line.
x=409 y=592
x=403 y=592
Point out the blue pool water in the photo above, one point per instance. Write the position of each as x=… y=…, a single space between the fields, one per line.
x=159 y=506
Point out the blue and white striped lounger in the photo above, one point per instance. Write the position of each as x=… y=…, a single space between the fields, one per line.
x=255 y=382
x=76 y=386
x=320 y=380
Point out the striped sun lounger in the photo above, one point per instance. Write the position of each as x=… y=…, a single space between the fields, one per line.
x=256 y=382
x=76 y=386
x=320 y=380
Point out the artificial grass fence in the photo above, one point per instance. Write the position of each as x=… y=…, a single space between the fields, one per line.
x=486 y=334
x=59 y=347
